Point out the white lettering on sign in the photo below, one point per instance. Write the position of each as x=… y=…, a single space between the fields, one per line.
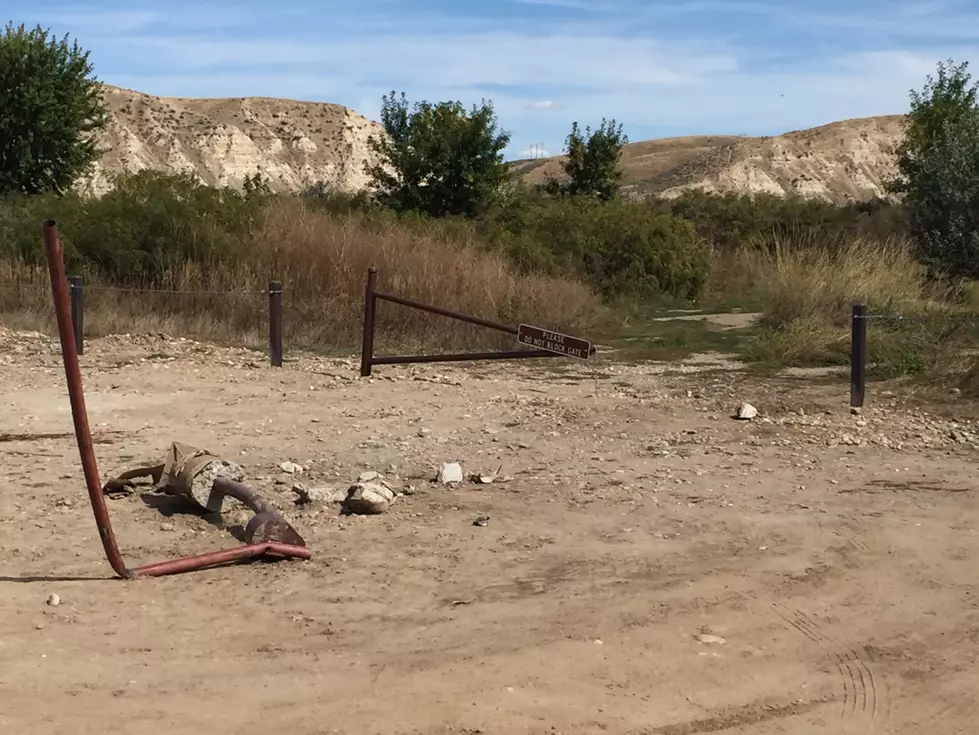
x=543 y=339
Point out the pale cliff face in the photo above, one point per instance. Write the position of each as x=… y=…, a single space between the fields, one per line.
x=843 y=161
x=297 y=144
x=293 y=144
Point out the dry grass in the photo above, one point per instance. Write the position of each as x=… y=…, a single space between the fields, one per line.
x=806 y=291
x=322 y=261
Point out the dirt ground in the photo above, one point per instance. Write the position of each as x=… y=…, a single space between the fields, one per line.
x=650 y=564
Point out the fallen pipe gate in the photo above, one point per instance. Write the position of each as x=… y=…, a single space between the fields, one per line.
x=548 y=343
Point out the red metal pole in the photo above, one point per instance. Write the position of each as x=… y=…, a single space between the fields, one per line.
x=79 y=414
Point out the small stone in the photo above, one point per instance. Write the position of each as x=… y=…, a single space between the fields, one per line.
x=326 y=495
x=450 y=473
x=291 y=468
x=482 y=521
x=485 y=478
x=54 y=600
x=369 y=476
x=169 y=527
x=747 y=412
x=368 y=499
x=424 y=433
x=709 y=640
x=855 y=410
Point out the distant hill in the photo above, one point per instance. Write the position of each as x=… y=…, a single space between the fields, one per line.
x=842 y=161
x=298 y=144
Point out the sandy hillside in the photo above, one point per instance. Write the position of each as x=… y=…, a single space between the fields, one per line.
x=848 y=160
x=294 y=144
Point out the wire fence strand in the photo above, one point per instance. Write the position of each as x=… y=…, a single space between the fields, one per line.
x=164 y=291
x=917 y=318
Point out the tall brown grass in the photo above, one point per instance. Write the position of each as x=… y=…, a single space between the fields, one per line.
x=322 y=260
x=805 y=290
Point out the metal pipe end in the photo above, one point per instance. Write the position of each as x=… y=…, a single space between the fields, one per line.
x=270 y=528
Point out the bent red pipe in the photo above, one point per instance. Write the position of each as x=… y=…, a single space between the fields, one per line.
x=79 y=415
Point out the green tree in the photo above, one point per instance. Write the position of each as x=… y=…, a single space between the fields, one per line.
x=438 y=159
x=943 y=200
x=938 y=171
x=50 y=110
x=592 y=163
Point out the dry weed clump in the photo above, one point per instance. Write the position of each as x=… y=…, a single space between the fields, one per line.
x=806 y=292
x=322 y=261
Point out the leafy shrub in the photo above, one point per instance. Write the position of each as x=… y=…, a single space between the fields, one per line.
x=140 y=231
x=731 y=221
x=624 y=249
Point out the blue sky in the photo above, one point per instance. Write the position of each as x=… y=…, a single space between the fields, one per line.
x=661 y=68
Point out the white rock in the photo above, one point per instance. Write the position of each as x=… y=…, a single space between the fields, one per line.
x=747 y=412
x=424 y=433
x=291 y=468
x=450 y=473
x=710 y=640
x=368 y=498
x=327 y=495
x=369 y=476
x=54 y=600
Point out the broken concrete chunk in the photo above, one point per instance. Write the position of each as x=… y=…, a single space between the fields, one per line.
x=450 y=473
x=368 y=498
x=747 y=412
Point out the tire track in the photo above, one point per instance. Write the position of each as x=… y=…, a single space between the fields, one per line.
x=865 y=695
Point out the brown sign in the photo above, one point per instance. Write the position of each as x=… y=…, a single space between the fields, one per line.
x=561 y=344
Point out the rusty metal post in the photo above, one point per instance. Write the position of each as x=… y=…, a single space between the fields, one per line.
x=73 y=376
x=858 y=355
x=77 y=291
x=370 y=308
x=275 y=323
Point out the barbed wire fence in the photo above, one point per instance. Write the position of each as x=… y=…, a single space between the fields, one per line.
x=78 y=291
x=860 y=321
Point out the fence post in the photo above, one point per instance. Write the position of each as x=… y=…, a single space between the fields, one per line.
x=275 y=323
x=370 y=304
x=76 y=290
x=858 y=355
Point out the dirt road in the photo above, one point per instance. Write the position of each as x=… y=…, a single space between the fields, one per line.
x=650 y=566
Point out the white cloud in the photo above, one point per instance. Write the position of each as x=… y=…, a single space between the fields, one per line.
x=608 y=66
x=82 y=23
x=568 y=4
